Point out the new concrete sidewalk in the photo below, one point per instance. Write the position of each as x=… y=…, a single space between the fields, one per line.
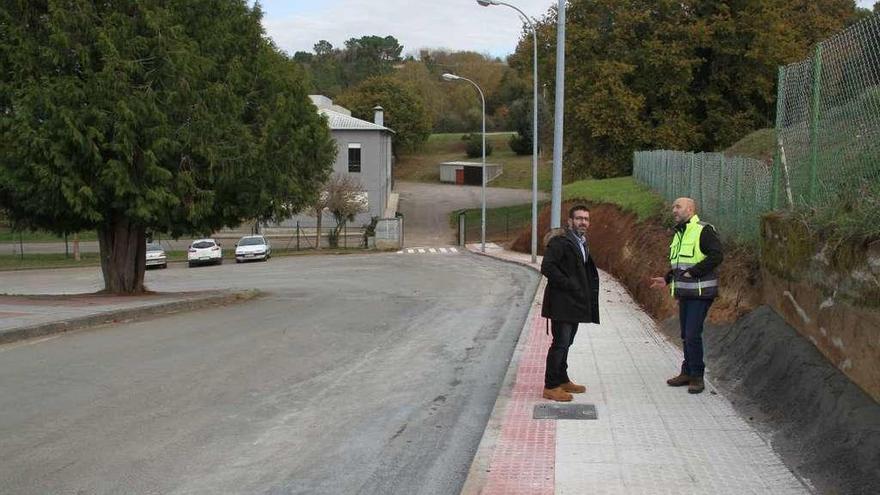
x=649 y=438
x=25 y=317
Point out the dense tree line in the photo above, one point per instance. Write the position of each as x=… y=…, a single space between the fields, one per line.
x=676 y=74
x=372 y=67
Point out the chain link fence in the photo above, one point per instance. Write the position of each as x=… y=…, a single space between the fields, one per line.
x=828 y=122
x=731 y=192
x=827 y=157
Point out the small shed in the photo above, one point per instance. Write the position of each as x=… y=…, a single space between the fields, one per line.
x=468 y=173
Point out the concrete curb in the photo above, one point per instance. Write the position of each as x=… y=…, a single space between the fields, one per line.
x=127 y=314
x=477 y=474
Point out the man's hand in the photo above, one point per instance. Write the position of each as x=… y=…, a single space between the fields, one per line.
x=658 y=282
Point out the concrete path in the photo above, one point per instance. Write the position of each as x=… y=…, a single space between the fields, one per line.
x=648 y=439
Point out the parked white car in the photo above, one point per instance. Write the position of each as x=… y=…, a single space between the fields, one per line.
x=156 y=255
x=252 y=247
x=204 y=251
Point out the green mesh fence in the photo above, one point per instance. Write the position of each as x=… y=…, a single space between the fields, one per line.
x=828 y=145
x=731 y=192
x=828 y=123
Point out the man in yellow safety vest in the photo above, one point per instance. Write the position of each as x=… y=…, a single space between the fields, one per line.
x=694 y=256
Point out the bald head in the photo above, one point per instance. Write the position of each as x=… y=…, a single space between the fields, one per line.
x=683 y=209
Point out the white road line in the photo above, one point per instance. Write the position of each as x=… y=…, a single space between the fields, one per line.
x=431 y=250
x=443 y=250
x=453 y=250
x=7 y=347
x=421 y=251
x=409 y=251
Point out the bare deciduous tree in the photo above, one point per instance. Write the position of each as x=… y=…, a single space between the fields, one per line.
x=344 y=197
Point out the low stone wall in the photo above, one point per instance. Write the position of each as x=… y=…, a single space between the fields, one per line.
x=829 y=292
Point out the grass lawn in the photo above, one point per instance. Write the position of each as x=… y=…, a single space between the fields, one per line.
x=622 y=191
x=760 y=145
x=505 y=223
x=7 y=235
x=423 y=166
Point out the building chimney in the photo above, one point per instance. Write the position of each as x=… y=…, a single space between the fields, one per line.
x=379 y=116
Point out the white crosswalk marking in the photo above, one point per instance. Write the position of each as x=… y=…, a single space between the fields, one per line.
x=447 y=250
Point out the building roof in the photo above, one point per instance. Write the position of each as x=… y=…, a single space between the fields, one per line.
x=467 y=164
x=341 y=122
x=340 y=119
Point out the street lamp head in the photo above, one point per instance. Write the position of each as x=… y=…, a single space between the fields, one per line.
x=486 y=3
x=450 y=77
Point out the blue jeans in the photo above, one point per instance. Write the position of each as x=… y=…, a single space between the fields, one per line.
x=691 y=314
x=556 y=372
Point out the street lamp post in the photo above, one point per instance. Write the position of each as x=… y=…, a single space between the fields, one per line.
x=486 y=3
x=452 y=77
x=558 y=120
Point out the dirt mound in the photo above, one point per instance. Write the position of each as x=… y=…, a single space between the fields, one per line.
x=633 y=251
x=825 y=426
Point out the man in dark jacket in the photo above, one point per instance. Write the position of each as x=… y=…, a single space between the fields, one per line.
x=571 y=297
x=694 y=256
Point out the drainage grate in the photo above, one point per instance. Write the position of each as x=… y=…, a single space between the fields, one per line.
x=565 y=411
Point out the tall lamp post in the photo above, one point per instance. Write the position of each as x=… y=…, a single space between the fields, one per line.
x=452 y=77
x=486 y=3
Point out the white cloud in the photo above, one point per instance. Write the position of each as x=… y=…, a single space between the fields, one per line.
x=455 y=24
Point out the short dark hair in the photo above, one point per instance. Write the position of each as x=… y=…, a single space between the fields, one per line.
x=577 y=208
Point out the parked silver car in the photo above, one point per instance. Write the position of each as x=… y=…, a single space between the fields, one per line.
x=156 y=255
x=252 y=247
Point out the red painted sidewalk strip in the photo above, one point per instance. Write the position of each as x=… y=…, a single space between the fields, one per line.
x=525 y=455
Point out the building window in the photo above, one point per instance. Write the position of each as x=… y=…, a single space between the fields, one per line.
x=354 y=157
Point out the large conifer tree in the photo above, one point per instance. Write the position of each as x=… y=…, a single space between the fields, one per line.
x=128 y=117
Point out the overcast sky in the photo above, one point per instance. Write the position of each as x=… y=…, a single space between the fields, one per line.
x=296 y=25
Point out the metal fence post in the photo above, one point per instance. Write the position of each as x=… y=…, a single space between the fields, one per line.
x=780 y=106
x=736 y=206
x=691 y=177
x=297 y=235
x=814 y=124
x=719 y=200
x=462 y=228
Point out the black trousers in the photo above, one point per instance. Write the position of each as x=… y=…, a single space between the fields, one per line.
x=691 y=315
x=556 y=372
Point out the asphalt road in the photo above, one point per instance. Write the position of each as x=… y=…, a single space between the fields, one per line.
x=353 y=374
x=426 y=208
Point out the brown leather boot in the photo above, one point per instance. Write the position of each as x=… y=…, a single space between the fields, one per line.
x=557 y=394
x=696 y=385
x=573 y=388
x=679 y=381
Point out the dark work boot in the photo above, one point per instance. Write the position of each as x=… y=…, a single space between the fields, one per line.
x=679 y=381
x=696 y=385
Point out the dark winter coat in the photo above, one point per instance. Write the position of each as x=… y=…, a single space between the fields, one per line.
x=572 y=292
